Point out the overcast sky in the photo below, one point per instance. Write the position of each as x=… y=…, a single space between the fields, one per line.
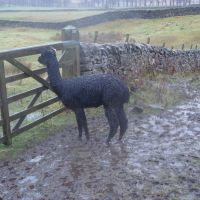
x=75 y=1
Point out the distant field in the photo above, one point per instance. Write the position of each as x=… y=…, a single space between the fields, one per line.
x=19 y=37
x=174 y=31
x=52 y=16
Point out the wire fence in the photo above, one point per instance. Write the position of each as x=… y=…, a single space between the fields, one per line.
x=100 y=37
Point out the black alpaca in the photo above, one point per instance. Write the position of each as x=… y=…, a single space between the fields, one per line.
x=89 y=91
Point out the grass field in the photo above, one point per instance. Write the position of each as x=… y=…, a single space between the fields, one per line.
x=53 y=16
x=174 y=31
x=20 y=37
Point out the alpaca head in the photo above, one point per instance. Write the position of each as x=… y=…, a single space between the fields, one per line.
x=47 y=56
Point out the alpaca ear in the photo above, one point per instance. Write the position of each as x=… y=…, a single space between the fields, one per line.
x=53 y=50
x=48 y=49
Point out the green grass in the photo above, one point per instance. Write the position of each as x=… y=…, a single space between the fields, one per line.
x=30 y=138
x=174 y=30
x=53 y=16
x=161 y=91
x=20 y=37
x=41 y=132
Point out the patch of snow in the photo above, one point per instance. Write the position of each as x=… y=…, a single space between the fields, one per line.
x=28 y=180
x=36 y=159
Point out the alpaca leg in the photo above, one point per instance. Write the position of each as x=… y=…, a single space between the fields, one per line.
x=113 y=122
x=79 y=122
x=123 y=121
x=85 y=126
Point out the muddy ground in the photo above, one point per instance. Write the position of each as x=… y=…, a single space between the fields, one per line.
x=159 y=159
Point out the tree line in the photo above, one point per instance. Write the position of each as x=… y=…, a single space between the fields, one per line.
x=135 y=3
x=36 y=3
x=99 y=3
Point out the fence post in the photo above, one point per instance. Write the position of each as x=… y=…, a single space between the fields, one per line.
x=148 y=40
x=96 y=36
x=4 y=106
x=183 y=46
x=71 y=59
x=127 y=38
x=70 y=33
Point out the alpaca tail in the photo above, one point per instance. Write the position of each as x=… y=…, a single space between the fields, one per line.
x=126 y=95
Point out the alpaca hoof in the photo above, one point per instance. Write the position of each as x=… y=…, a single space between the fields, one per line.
x=120 y=141
x=87 y=138
x=86 y=142
x=79 y=138
x=108 y=142
x=120 y=137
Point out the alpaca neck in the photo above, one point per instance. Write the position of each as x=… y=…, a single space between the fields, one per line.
x=55 y=77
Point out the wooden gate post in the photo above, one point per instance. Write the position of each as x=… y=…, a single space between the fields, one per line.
x=71 y=58
x=4 y=107
x=70 y=33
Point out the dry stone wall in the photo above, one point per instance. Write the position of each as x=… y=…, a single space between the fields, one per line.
x=107 y=16
x=131 y=59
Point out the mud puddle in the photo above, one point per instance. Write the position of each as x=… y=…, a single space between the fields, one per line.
x=158 y=159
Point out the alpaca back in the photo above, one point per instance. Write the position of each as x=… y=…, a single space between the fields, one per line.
x=94 y=91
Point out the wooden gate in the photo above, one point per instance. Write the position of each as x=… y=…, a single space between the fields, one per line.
x=70 y=66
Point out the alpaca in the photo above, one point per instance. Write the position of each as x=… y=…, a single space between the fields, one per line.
x=89 y=91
